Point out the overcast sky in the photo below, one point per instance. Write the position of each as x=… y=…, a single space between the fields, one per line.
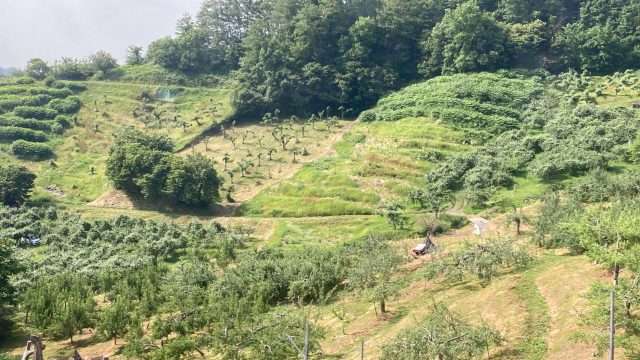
x=50 y=29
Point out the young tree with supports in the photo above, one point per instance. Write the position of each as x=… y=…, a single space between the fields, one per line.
x=226 y=159
x=206 y=143
x=270 y=152
x=518 y=218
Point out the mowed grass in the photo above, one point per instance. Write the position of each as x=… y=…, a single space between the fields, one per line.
x=336 y=229
x=536 y=312
x=373 y=164
x=69 y=178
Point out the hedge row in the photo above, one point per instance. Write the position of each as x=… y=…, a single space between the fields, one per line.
x=30 y=150
x=36 y=90
x=11 y=133
x=25 y=123
x=69 y=105
x=34 y=112
x=10 y=102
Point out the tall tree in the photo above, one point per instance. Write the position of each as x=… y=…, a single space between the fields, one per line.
x=37 y=69
x=467 y=39
x=16 y=182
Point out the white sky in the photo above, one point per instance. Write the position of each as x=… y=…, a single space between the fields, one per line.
x=50 y=29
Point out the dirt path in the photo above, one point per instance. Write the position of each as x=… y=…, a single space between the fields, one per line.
x=562 y=287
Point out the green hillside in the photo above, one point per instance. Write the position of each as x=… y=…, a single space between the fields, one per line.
x=106 y=106
x=392 y=179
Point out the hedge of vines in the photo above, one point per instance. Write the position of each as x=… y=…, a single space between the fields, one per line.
x=32 y=114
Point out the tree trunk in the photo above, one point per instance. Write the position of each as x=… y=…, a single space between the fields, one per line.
x=38 y=347
x=383 y=306
x=616 y=272
x=26 y=317
x=115 y=340
x=517 y=227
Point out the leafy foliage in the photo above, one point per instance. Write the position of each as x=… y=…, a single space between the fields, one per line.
x=442 y=335
x=16 y=182
x=143 y=165
x=481 y=101
x=31 y=150
x=482 y=260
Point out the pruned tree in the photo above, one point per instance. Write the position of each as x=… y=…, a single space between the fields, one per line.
x=481 y=260
x=518 y=218
x=245 y=165
x=434 y=199
x=443 y=334
x=270 y=152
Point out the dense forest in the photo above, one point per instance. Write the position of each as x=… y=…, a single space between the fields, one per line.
x=302 y=56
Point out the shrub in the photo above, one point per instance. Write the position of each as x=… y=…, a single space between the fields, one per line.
x=367 y=116
x=15 y=121
x=57 y=129
x=10 y=133
x=53 y=92
x=24 y=81
x=33 y=112
x=31 y=150
x=75 y=87
x=16 y=182
x=49 y=81
x=68 y=105
x=9 y=102
x=484 y=101
x=63 y=120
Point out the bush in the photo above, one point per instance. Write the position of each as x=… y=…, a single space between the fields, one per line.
x=68 y=105
x=54 y=92
x=63 y=120
x=15 y=121
x=16 y=182
x=57 y=129
x=33 y=112
x=75 y=87
x=367 y=116
x=9 y=102
x=10 y=133
x=24 y=81
x=484 y=101
x=49 y=81
x=31 y=150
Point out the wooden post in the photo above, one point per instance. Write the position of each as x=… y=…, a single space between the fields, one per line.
x=306 y=342
x=362 y=350
x=612 y=327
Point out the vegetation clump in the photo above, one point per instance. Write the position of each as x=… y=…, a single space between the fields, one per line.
x=143 y=165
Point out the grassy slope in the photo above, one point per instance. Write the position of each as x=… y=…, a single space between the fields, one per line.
x=374 y=163
x=83 y=147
